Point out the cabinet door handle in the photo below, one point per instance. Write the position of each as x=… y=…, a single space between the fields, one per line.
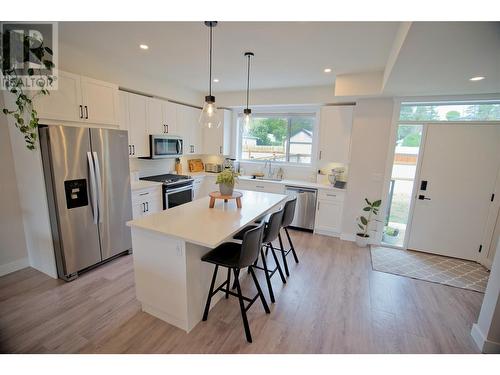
x=166 y=127
x=331 y=195
x=144 y=207
x=146 y=193
x=129 y=150
x=320 y=152
x=133 y=149
x=220 y=150
x=81 y=111
x=318 y=205
x=86 y=112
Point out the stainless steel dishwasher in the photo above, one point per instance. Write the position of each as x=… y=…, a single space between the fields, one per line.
x=305 y=210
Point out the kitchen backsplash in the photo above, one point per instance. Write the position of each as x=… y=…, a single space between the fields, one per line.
x=148 y=167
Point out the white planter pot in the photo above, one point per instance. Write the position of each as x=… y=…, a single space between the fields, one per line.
x=362 y=241
x=226 y=189
x=391 y=240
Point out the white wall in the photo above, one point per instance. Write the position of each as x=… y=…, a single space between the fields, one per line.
x=369 y=147
x=32 y=199
x=486 y=332
x=13 y=251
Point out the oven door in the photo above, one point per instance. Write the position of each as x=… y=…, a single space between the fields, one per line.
x=176 y=197
x=164 y=147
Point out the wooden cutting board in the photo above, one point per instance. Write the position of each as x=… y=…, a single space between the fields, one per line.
x=195 y=165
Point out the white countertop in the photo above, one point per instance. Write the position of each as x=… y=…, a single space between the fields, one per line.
x=142 y=184
x=299 y=183
x=195 y=222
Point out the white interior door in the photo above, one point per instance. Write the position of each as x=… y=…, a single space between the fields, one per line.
x=460 y=164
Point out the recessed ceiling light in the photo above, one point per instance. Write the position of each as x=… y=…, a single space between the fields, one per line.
x=476 y=78
x=143 y=46
x=216 y=80
x=327 y=70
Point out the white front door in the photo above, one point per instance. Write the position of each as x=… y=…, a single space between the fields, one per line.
x=460 y=164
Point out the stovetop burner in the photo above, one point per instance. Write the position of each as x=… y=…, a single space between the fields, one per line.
x=167 y=178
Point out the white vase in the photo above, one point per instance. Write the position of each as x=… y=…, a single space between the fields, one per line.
x=362 y=241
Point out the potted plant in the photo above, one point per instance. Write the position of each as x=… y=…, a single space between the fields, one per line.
x=226 y=180
x=371 y=209
x=391 y=235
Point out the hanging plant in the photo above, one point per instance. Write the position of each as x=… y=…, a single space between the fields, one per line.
x=24 y=114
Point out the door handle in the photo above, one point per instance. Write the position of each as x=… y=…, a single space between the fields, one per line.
x=99 y=186
x=86 y=113
x=81 y=111
x=422 y=197
x=320 y=154
x=133 y=149
x=147 y=206
x=144 y=207
x=129 y=150
x=166 y=127
x=92 y=186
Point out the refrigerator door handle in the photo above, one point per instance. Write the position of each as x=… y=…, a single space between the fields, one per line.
x=99 y=185
x=92 y=186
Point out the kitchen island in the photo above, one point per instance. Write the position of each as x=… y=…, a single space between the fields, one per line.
x=171 y=281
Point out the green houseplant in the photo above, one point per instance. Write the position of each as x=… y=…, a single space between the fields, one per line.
x=226 y=180
x=371 y=209
x=24 y=114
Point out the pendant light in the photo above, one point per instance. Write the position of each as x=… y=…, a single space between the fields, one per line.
x=247 y=112
x=208 y=116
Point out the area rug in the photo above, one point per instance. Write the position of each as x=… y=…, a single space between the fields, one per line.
x=429 y=267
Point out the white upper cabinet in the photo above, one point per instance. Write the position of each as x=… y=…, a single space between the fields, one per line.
x=335 y=133
x=133 y=118
x=218 y=141
x=65 y=103
x=80 y=99
x=162 y=117
x=100 y=101
x=190 y=130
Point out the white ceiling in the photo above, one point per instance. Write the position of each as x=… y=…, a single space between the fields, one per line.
x=287 y=54
x=440 y=57
x=433 y=58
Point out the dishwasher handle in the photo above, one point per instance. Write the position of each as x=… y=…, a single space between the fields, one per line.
x=300 y=190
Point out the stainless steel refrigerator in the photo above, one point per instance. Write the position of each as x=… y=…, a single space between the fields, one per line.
x=87 y=179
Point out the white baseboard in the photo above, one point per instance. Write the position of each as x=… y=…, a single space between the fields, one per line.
x=348 y=237
x=486 y=346
x=14 y=266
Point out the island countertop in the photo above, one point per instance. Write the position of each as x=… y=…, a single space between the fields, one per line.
x=195 y=222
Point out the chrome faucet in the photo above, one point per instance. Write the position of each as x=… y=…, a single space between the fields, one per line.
x=269 y=172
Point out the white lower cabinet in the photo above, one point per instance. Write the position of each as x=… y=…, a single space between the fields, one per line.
x=256 y=185
x=146 y=201
x=329 y=212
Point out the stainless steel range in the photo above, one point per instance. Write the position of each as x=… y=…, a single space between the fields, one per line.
x=177 y=189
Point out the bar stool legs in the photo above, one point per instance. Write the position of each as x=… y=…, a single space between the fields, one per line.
x=242 y=307
x=268 y=277
x=210 y=293
x=283 y=255
x=291 y=245
x=273 y=252
x=228 y=282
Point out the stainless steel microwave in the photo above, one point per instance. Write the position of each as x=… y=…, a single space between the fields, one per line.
x=165 y=146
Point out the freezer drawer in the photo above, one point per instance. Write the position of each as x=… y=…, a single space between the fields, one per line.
x=305 y=209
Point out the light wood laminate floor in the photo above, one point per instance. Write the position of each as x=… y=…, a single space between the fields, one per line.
x=333 y=303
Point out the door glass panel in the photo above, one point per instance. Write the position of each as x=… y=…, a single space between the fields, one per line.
x=404 y=168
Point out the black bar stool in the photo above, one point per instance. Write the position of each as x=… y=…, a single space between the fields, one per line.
x=271 y=231
x=236 y=256
x=289 y=212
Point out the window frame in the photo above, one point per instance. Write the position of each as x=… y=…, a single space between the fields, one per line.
x=313 y=113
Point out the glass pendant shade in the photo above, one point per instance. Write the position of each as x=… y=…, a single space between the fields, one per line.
x=247 y=118
x=208 y=116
